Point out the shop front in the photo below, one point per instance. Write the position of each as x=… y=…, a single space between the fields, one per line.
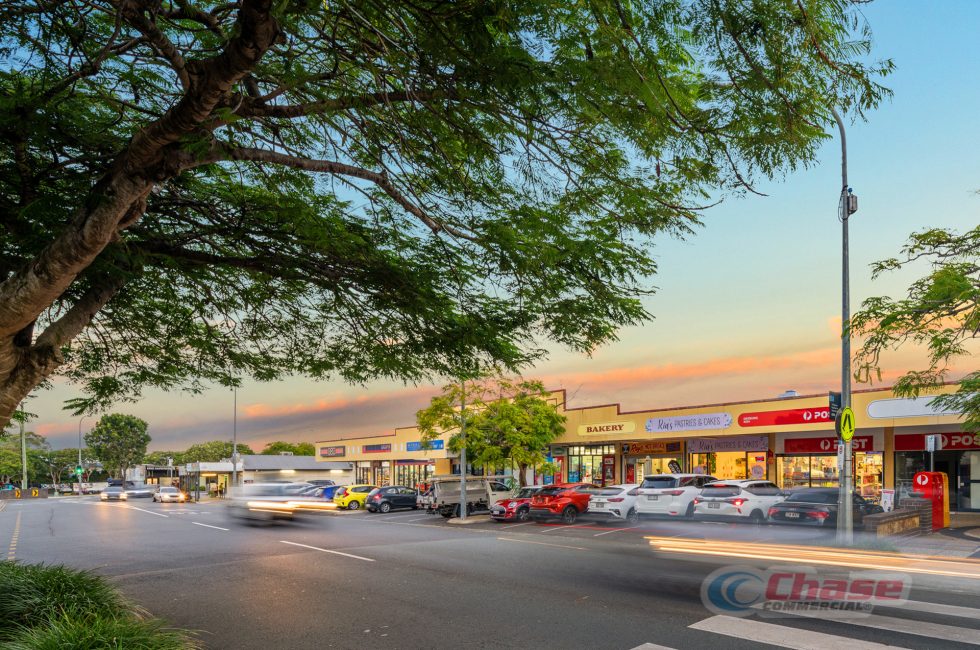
x=958 y=458
x=734 y=457
x=590 y=464
x=649 y=457
x=812 y=462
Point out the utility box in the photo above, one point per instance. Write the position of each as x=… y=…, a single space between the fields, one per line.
x=934 y=486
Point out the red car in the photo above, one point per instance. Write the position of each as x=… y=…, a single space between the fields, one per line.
x=516 y=508
x=564 y=501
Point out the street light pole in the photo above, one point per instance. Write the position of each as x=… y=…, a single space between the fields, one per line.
x=23 y=451
x=462 y=451
x=234 y=437
x=845 y=503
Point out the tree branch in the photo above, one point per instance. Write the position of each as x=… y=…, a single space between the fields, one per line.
x=289 y=111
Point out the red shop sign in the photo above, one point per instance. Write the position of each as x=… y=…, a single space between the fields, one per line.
x=917 y=441
x=826 y=445
x=787 y=416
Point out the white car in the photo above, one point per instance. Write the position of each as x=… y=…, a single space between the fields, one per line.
x=167 y=494
x=671 y=495
x=734 y=500
x=614 y=502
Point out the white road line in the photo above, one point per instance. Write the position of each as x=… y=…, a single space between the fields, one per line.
x=419 y=519
x=551 y=528
x=908 y=626
x=326 y=550
x=938 y=608
x=782 y=635
x=614 y=530
x=652 y=646
x=526 y=523
x=208 y=525
x=527 y=541
x=149 y=512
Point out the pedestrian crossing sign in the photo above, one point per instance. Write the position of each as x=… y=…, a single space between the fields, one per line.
x=845 y=423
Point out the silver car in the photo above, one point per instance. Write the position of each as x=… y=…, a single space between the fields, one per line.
x=167 y=494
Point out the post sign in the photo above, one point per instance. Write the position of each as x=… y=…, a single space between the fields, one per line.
x=956 y=441
x=826 y=445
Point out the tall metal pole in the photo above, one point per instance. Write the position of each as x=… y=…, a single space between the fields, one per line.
x=23 y=451
x=845 y=507
x=234 y=437
x=79 y=476
x=462 y=452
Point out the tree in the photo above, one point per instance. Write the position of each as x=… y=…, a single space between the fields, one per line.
x=160 y=457
x=507 y=422
x=193 y=190
x=941 y=312
x=59 y=462
x=10 y=458
x=297 y=449
x=119 y=441
x=213 y=451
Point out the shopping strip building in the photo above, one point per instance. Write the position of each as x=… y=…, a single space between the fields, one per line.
x=787 y=440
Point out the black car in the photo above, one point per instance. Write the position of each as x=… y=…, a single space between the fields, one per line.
x=817 y=507
x=386 y=499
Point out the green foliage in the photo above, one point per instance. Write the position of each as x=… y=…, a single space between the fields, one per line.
x=941 y=313
x=298 y=449
x=502 y=171
x=54 y=607
x=507 y=422
x=118 y=441
x=160 y=458
x=213 y=451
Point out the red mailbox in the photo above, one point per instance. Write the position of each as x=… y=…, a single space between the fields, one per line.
x=934 y=486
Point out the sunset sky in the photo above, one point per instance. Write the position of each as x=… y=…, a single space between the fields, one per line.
x=746 y=308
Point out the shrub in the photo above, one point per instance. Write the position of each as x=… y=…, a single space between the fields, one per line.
x=101 y=633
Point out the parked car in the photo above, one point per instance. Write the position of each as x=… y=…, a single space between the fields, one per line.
x=481 y=493
x=515 y=508
x=563 y=501
x=352 y=497
x=737 y=500
x=113 y=493
x=670 y=495
x=818 y=507
x=169 y=494
x=386 y=499
x=321 y=482
x=615 y=502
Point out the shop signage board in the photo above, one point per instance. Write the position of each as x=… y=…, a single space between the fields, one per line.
x=376 y=449
x=434 y=445
x=333 y=452
x=699 y=422
x=916 y=407
x=606 y=428
x=652 y=447
x=950 y=441
x=734 y=443
x=826 y=445
x=785 y=416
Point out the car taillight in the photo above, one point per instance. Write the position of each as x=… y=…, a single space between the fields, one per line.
x=772 y=512
x=818 y=514
x=697 y=500
x=616 y=499
x=736 y=502
x=673 y=493
x=377 y=497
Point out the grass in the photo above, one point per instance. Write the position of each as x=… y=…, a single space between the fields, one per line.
x=53 y=607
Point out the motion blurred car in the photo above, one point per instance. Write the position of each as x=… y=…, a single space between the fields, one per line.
x=139 y=490
x=168 y=494
x=670 y=495
x=321 y=482
x=269 y=502
x=515 y=508
x=614 y=502
x=564 y=501
x=747 y=500
x=352 y=497
x=818 y=507
x=113 y=493
x=386 y=499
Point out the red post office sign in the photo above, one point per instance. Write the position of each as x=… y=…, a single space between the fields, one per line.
x=954 y=441
x=785 y=416
x=826 y=445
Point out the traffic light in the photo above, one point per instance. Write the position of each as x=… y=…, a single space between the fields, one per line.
x=78 y=470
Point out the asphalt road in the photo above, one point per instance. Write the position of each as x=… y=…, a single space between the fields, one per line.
x=410 y=580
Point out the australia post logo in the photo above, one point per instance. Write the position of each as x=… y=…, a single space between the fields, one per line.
x=790 y=591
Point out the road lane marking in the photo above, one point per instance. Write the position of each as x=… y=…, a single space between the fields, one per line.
x=614 y=530
x=551 y=527
x=652 y=646
x=527 y=541
x=149 y=512
x=326 y=550
x=12 y=550
x=196 y=523
x=783 y=636
x=908 y=626
x=938 y=608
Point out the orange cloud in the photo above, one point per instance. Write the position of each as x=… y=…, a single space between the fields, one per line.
x=323 y=406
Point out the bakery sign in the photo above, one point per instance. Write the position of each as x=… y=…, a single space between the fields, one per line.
x=332 y=452
x=606 y=428
x=697 y=422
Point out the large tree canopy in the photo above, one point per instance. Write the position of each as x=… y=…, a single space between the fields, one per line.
x=940 y=312
x=119 y=442
x=195 y=190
